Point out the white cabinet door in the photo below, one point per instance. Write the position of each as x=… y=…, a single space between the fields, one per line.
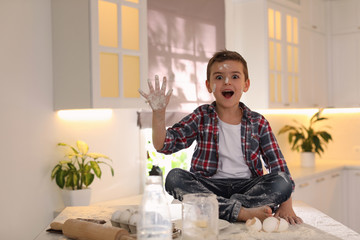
x=271 y=48
x=313 y=15
x=99 y=53
x=345 y=17
x=324 y=192
x=346 y=70
x=314 y=87
x=353 y=199
x=334 y=196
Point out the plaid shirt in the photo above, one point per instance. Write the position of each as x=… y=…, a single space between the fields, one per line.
x=257 y=141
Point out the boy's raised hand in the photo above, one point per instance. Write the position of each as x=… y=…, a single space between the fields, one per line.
x=157 y=98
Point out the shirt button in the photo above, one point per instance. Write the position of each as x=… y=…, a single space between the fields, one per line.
x=215 y=137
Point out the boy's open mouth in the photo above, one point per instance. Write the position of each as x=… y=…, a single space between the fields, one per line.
x=227 y=93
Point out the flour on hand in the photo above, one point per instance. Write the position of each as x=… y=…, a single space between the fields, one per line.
x=157 y=98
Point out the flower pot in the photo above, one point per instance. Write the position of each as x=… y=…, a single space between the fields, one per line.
x=79 y=197
x=307 y=159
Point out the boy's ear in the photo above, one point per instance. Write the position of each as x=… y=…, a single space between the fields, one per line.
x=207 y=83
x=247 y=85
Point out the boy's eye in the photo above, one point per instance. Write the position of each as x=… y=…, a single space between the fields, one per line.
x=219 y=77
x=235 y=76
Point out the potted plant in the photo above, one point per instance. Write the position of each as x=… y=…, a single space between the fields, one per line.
x=307 y=140
x=78 y=171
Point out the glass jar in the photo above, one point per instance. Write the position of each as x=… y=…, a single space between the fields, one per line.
x=200 y=217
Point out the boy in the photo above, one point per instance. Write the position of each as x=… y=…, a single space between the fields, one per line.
x=231 y=140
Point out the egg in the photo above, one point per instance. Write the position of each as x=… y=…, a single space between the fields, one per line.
x=253 y=224
x=124 y=218
x=115 y=218
x=134 y=219
x=283 y=225
x=271 y=224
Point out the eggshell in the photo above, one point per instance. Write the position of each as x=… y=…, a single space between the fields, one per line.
x=283 y=225
x=253 y=224
x=271 y=224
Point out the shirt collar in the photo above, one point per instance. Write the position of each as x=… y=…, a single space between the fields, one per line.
x=246 y=110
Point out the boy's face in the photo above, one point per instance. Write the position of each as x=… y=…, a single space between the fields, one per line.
x=227 y=82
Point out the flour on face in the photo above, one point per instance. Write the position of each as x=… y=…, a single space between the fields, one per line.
x=214 y=88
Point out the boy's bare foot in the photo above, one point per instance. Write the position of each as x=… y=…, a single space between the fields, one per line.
x=259 y=212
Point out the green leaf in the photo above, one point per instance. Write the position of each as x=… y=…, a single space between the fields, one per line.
x=60 y=178
x=55 y=171
x=112 y=170
x=326 y=136
x=82 y=146
x=71 y=166
x=96 y=168
x=88 y=179
x=87 y=168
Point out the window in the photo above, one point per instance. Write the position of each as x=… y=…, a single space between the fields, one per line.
x=180 y=159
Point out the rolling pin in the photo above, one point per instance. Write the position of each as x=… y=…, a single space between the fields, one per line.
x=82 y=230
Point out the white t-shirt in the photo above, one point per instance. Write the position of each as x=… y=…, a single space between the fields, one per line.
x=231 y=159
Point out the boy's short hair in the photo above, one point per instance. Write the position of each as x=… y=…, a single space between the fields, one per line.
x=224 y=55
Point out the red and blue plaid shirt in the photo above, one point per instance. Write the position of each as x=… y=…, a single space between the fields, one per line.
x=257 y=141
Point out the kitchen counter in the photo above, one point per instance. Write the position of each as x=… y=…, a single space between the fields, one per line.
x=316 y=225
x=299 y=173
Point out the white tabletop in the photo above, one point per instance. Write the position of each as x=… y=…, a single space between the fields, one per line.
x=316 y=225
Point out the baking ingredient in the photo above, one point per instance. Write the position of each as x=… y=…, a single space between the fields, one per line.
x=283 y=225
x=115 y=217
x=253 y=224
x=133 y=221
x=214 y=88
x=271 y=224
x=124 y=218
x=157 y=97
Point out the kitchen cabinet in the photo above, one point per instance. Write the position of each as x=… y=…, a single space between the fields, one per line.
x=314 y=54
x=314 y=71
x=345 y=70
x=313 y=15
x=270 y=45
x=353 y=179
x=345 y=16
x=99 y=53
x=345 y=48
x=324 y=192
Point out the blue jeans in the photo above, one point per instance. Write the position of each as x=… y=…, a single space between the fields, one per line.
x=270 y=189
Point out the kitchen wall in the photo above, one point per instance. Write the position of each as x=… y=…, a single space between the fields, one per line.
x=344 y=128
x=30 y=128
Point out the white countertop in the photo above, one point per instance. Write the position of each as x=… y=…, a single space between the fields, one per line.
x=316 y=225
x=299 y=173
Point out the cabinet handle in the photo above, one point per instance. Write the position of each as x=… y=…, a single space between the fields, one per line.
x=357 y=174
x=335 y=175
x=303 y=185
x=320 y=180
x=314 y=26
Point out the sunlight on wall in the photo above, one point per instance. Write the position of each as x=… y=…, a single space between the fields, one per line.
x=85 y=114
